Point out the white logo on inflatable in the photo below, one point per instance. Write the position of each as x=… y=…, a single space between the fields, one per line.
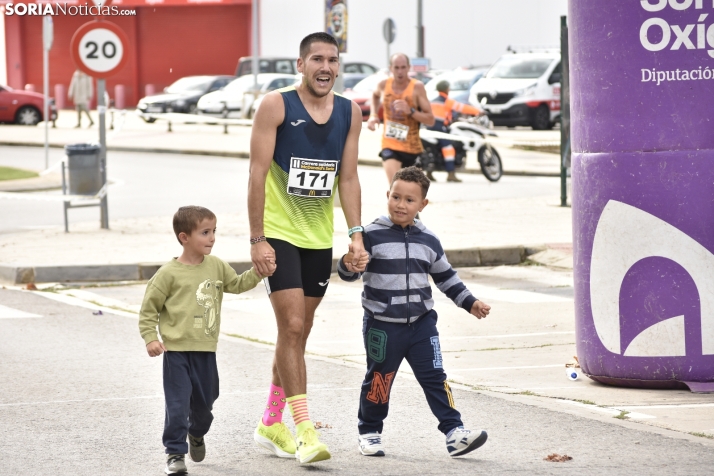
x=624 y=236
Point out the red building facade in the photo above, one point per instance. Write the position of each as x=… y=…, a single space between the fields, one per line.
x=168 y=39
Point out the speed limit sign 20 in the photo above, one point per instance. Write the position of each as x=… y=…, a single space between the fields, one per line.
x=98 y=48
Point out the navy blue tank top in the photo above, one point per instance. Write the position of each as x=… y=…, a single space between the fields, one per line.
x=299 y=204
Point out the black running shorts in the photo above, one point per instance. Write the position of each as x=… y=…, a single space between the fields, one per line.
x=301 y=268
x=405 y=158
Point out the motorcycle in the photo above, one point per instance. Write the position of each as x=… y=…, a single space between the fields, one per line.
x=465 y=135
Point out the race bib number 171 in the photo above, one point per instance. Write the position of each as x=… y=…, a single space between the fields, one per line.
x=311 y=178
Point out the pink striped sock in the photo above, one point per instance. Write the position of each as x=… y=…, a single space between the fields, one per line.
x=276 y=404
x=298 y=407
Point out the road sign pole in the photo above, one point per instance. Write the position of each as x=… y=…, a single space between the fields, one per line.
x=389 y=31
x=565 y=151
x=47 y=38
x=420 y=30
x=97 y=48
x=102 y=109
x=45 y=114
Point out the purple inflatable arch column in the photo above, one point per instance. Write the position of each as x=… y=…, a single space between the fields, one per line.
x=642 y=112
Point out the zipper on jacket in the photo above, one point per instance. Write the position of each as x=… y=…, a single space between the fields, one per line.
x=406 y=244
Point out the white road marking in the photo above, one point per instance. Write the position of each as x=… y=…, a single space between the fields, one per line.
x=442 y=337
x=514 y=295
x=504 y=336
x=10 y=313
x=571 y=387
x=665 y=407
x=73 y=301
x=52 y=402
x=512 y=368
x=609 y=410
x=99 y=299
x=142 y=397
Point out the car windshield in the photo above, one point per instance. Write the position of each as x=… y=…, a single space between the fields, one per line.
x=458 y=80
x=193 y=83
x=242 y=84
x=368 y=84
x=518 y=67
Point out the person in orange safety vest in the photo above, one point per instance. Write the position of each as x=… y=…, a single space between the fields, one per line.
x=443 y=108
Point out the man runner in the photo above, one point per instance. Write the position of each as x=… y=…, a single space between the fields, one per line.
x=405 y=107
x=303 y=147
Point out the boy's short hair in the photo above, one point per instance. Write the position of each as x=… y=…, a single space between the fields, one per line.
x=415 y=175
x=319 y=37
x=186 y=219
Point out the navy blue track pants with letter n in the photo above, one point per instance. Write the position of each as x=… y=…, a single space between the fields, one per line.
x=190 y=388
x=387 y=344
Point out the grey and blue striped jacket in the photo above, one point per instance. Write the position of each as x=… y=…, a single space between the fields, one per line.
x=396 y=281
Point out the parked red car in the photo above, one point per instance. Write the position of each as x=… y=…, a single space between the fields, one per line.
x=23 y=107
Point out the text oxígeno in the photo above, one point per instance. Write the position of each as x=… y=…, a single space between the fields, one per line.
x=692 y=36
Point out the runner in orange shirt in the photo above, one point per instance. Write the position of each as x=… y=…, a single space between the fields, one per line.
x=405 y=108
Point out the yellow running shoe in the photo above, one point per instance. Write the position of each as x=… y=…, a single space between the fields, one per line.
x=276 y=438
x=309 y=448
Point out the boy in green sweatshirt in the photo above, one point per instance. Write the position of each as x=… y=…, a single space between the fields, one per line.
x=184 y=299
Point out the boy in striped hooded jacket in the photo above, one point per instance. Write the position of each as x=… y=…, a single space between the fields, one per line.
x=399 y=319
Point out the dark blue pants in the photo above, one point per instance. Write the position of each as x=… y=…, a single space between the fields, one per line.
x=449 y=165
x=387 y=344
x=190 y=388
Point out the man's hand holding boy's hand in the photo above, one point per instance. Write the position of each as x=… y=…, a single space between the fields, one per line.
x=263 y=257
x=361 y=260
x=480 y=309
x=270 y=262
x=269 y=265
x=155 y=348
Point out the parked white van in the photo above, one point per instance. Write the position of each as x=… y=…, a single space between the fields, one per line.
x=521 y=89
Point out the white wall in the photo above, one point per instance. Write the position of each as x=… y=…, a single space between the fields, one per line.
x=3 y=59
x=457 y=32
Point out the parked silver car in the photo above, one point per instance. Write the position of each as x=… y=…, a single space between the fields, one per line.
x=231 y=99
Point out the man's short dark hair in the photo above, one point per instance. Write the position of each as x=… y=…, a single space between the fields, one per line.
x=187 y=219
x=319 y=37
x=415 y=175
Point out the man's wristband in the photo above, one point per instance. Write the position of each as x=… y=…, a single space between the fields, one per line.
x=412 y=113
x=353 y=230
x=257 y=239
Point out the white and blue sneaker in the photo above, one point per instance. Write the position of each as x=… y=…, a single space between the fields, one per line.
x=460 y=441
x=370 y=444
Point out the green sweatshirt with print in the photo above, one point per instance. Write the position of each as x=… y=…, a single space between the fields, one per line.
x=185 y=302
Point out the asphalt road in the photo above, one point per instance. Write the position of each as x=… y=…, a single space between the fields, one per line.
x=79 y=395
x=147 y=185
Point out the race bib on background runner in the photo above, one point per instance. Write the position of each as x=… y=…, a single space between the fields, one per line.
x=396 y=131
x=311 y=177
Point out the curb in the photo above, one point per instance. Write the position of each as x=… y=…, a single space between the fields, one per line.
x=245 y=155
x=18 y=274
